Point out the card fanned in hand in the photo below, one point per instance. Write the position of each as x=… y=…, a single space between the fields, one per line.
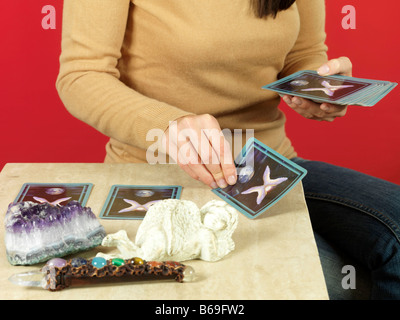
x=336 y=89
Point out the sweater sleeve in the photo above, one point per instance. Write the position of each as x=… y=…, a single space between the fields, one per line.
x=88 y=81
x=309 y=51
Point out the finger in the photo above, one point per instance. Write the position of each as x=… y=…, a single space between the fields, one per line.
x=209 y=154
x=297 y=106
x=287 y=98
x=196 y=148
x=307 y=107
x=302 y=109
x=325 y=119
x=203 y=175
x=224 y=154
x=190 y=162
x=196 y=151
x=314 y=111
x=340 y=65
x=300 y=103
x=289 y=101
x=186 y=167
x=199 y=172
x=334 y=110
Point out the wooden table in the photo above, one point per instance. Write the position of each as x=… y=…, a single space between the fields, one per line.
x=275 y=255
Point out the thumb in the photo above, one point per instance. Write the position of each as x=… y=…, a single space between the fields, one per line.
x=340 y=65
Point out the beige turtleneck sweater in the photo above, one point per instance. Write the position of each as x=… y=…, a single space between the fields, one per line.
x=128 y=66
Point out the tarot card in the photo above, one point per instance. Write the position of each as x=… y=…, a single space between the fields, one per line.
x=132 y=202
x=334 y=89
x=264 y=177
x=55 y=193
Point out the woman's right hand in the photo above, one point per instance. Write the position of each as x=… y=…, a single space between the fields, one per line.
x=197 y=144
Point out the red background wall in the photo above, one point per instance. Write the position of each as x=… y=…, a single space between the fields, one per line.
x=35 y=127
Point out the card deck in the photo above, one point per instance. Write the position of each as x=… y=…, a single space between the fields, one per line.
x=336 y=89
x=55 y=193
x=132 y=202
x=264 y=177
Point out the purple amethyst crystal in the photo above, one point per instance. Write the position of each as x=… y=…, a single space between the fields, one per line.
x=37 y=232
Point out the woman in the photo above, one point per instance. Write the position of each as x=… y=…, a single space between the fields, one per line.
x=183 y=66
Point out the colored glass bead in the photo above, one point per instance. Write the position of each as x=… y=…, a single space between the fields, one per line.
x=154 y=264
x=117 y=262
x=99 y=262
x=137 y=261
x=57 y=262
x=77 y=262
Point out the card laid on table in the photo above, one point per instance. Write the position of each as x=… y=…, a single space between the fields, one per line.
x=264 y=177
x=336 y=89
x=132 y=202
x=55 y=193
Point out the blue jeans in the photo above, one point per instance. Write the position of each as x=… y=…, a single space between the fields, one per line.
x=356 y=222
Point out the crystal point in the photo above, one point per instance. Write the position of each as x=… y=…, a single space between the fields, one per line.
x=28 y=279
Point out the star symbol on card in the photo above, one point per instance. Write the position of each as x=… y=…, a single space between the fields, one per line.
x=54 y=203
x=136 y=206
x=328 y=88
x=268 y=185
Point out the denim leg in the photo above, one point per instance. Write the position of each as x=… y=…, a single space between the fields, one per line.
x=359 y=216
x=333 y=263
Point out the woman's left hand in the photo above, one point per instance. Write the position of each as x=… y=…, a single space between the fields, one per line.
x=324 y=111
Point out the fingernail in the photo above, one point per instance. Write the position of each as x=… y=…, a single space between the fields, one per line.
x=296 y=101
x=213 y=185
x=324 y=107
x=287 y=100
x=324 y=70
x=222 y=183
x=232 y=180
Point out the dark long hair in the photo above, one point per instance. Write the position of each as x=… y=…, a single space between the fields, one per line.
x=265 y=8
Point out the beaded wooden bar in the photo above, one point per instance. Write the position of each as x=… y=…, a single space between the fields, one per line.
x=99 y=270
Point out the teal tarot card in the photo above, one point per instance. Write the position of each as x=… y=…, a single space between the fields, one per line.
x=55 y=193
x=264 y=177
x=133 y=201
